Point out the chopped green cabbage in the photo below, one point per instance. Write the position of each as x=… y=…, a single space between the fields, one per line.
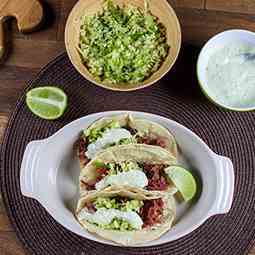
x=122 y=45
x=112 y=203
x=126 y=141
x=126 y=166
x=93 y=134
x=129 y=165
x=132 y=205
x=98 y=163
x=117 y=224
x=112 y=168
x=105 y=202
x=115 y=203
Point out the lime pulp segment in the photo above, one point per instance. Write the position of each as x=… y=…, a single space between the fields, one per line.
x=183 y=180
x=47 y=102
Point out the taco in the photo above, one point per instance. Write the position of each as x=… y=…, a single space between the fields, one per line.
x=137 y=165
x=119 y=130
x=127 y=216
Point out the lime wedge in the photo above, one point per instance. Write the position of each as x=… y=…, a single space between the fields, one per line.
x=183 y=180
x=47 y=102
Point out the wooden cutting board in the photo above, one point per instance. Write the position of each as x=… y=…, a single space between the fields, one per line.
x=28 y=13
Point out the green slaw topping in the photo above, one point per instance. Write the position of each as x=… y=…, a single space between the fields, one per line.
x=122 y=45
x=115 y=168
x=117 y=224
x=94 y=133
x=113 y=203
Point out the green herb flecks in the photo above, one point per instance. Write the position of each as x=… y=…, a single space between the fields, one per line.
x=94 y=133
x=122 y=45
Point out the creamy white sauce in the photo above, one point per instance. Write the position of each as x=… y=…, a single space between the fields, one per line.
x=105 y=216
x=112 y=136
x=231 y=76
x=134 y=178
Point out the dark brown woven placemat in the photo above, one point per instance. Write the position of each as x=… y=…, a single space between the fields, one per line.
x=177 y=97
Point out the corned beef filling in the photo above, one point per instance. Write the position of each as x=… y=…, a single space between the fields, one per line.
x=152 y=212
x=82 y=144
x=151 y=141
x=102 y=172
x=82 y=147
x=88 y=186
x=91 y=207
x=155 y=174
x=156 y=177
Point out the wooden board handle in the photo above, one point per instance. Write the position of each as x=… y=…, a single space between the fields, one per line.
x=28 y=14
x=2 y=39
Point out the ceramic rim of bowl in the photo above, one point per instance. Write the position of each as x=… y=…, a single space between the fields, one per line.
x=201 y=84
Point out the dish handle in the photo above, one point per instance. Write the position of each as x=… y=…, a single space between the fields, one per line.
x=225 y=185
x=28 y=168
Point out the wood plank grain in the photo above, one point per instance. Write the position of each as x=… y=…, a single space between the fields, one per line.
x=188 y=3
x=2 y=39
x=12 y=81
x=240 y=6
x=4 y=221
x=68 y=5
x=33 y=53
x=252 y=251
x=66 y=8
x=3 y=123
x=197 y=33
x=5 y=225
x=9 y=244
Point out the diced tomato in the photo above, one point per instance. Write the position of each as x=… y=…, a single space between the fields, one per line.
x=152 y=212
x=102 y=172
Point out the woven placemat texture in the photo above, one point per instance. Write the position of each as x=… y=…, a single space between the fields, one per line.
x=177 y=97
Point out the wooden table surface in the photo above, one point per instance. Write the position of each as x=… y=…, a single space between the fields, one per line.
x=200 y=19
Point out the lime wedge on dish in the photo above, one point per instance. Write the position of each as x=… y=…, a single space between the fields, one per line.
x=47 y=102
x=183 y=180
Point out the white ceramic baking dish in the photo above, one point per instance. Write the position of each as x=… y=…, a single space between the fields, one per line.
x=50 y=170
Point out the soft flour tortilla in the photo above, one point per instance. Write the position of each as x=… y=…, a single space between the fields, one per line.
x=136 y=237
x=141 y=153
x=143 y=126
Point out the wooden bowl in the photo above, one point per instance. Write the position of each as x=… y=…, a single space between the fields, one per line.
x=159 y=8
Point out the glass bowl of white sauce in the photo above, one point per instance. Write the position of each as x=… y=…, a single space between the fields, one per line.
x=226 y=70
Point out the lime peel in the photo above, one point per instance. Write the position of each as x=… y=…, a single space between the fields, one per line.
x=47 y=102
x=183 y=180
